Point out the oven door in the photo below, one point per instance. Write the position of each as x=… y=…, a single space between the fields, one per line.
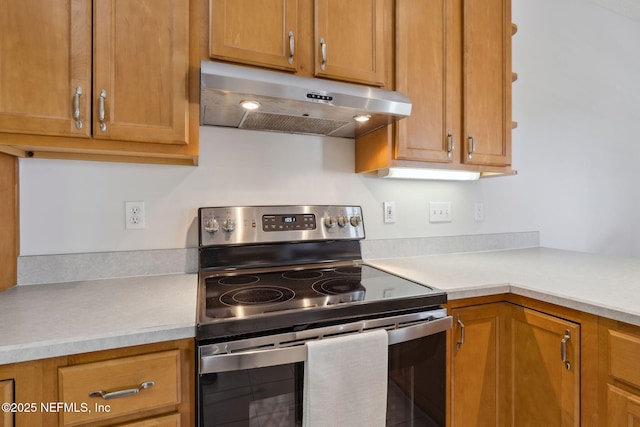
x=259 y=381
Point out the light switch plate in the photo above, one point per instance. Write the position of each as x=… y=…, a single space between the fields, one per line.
x=439 y=211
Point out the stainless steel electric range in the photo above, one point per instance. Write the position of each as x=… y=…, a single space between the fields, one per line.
x=272 y=278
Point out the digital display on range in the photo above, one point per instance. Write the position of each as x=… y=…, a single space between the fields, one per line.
x=288 y=222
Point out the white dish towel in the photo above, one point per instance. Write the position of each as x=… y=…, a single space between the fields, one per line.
x=345 y=381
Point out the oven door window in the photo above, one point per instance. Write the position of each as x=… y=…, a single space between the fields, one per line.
x=416 y=394
x=262 y=397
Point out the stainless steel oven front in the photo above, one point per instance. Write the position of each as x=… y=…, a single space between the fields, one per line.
x=274 y=278
x=258 y=382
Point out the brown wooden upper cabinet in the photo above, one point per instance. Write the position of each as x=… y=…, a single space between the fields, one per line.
x=109 y=70
x=453 y=60
x=340 y=40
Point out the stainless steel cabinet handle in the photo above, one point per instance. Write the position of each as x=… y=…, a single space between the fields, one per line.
x=563 y=349
x=292 y=45
x=451 y=144
x=460 y=343
x=472 y=147
x=76 y=107
x=323 y=49
x=122 y=393
x=103 y=96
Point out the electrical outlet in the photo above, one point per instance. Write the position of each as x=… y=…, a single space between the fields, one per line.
x=439 y=211
x=478 y=212
x=389 y=212
x=134 y=215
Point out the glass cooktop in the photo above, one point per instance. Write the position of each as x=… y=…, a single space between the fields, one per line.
x=239 y=303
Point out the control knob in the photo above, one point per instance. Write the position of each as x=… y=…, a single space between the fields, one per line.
x=329 y=221
x=228 y=225
x=342 y=221
x=211 y=225
x=355 y=220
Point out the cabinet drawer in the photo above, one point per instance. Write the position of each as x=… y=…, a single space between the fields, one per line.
x=77 y=384
x=172 y=420
x=624 y=355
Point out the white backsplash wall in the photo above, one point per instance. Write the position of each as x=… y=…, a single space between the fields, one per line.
x=575 y=150
x=71 y=206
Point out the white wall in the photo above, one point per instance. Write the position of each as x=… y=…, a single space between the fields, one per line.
x=576 y=103
x=574 y=149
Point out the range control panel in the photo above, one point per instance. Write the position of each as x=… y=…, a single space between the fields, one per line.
x=288 y=222
x=266 y=224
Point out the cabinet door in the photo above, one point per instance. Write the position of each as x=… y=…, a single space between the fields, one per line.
x=141 y=64
x=543 y=389
x=46 y=59
x=349 y=40
x=487 y=82
x=428 y=72
x=478 y=333
x=261 y=32
x=623 y=408
x=6 y=393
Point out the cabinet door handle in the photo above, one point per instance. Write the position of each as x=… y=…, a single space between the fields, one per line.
x=122 y=393
x=460 y=343
x=563 y=349
x=292 y=45
x=323 y=49
x=103 y=96
x=451 y=144
x=76 y=107
x=472 y=147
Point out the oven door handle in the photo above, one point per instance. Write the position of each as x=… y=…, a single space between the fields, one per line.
x=261 y=358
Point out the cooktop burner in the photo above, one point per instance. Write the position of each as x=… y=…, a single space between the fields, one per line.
x=251 y=302
x=261 y=293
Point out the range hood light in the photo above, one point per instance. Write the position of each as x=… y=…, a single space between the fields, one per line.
x=250 y=104
x=435 y=174
x=361 y=118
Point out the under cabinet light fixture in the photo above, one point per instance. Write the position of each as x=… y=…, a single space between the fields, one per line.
x=435 y=174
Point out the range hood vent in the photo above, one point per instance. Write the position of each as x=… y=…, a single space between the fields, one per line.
x=294 y=104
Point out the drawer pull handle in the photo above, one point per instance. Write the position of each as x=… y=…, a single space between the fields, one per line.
x=122 y=393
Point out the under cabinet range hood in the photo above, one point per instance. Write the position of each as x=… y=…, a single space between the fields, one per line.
x=293 y=104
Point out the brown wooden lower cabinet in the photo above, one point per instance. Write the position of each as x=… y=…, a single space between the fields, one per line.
x=475 y=364
x=6 y=396
x=67 y=391
x=620 y=373
x=543 y=362
x=515 y=361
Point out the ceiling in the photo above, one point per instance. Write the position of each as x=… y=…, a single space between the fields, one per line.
x=628 y=8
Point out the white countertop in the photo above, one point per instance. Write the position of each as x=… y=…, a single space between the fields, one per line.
x=596 y=284
x=41 y=321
